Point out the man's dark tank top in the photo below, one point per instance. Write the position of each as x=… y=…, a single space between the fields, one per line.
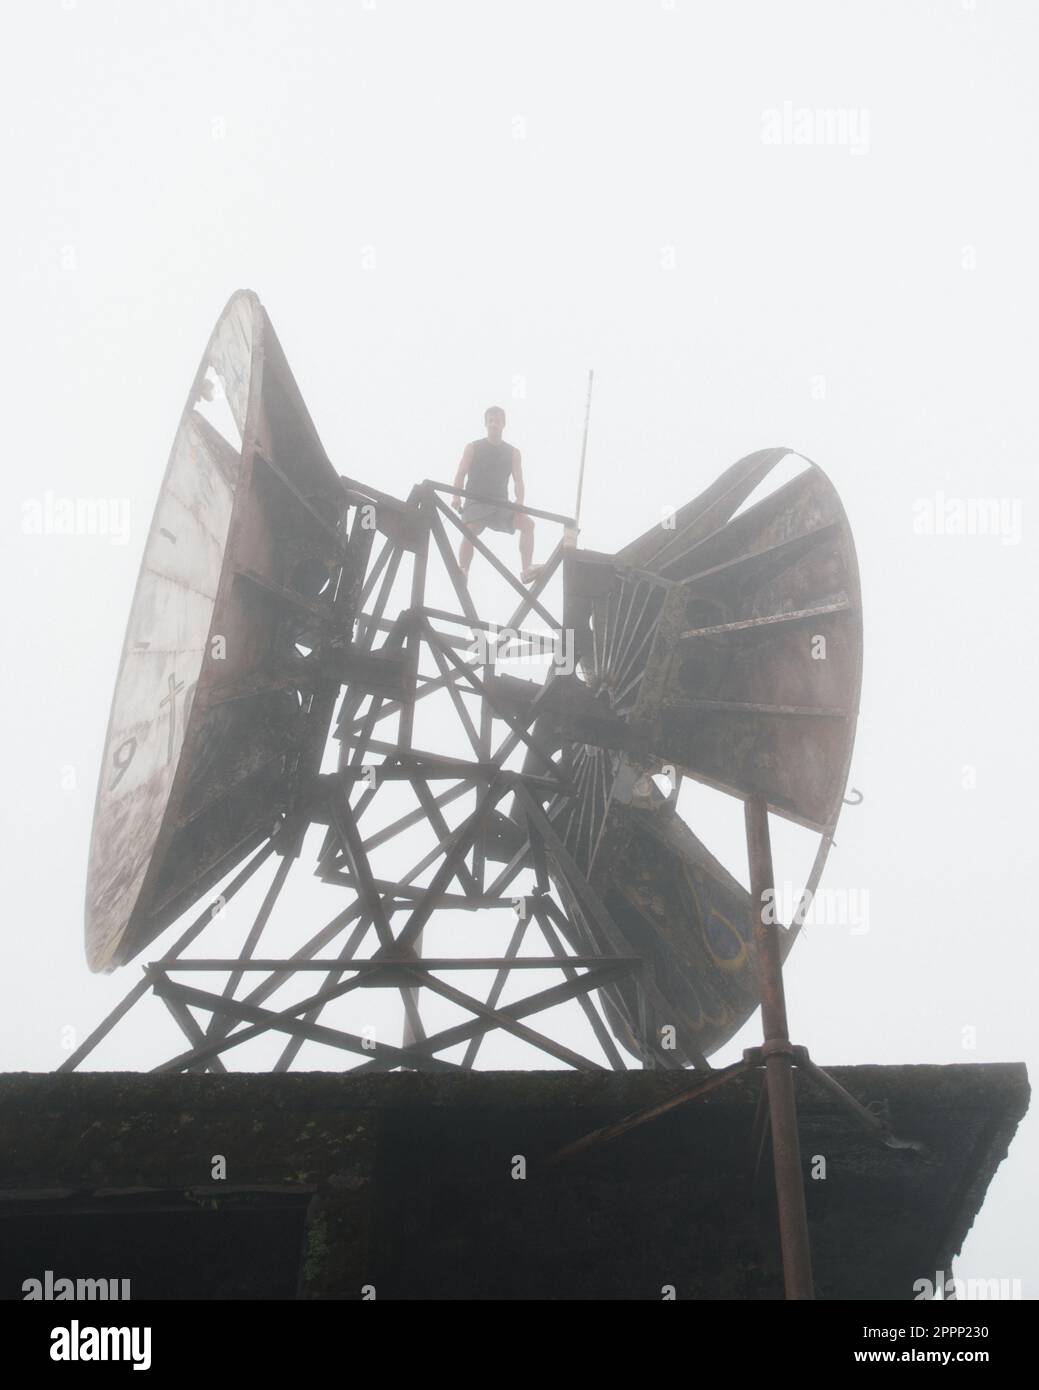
x=490 y=469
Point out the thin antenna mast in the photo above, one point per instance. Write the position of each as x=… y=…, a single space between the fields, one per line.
x=584 y=448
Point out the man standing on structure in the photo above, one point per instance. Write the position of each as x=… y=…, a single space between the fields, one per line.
x=485 y=469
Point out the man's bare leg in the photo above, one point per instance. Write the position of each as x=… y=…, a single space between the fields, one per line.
x=465 y=551
x=525 y=527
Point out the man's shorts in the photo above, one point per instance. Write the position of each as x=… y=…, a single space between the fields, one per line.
x=489 y=514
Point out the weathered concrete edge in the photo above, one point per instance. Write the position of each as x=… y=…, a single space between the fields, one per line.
x=998 y=1086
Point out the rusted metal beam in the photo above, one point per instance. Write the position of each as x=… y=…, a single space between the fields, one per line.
x=507 y=1023
x=255 y=931
x=143 y=985
x=778 y=1055
x=512 y=506
x=698 y=1089
x=380 y=966
x=799 y=615
x=453 y=568
x=192 y=1030
x=593 y=907
x=286 y=1021
x=497 y=565
x=869 y=1121
x=605 y=972
x=317 y=518
x=464 y=717
x=535 y=590
x=568 y=964
x=341 y=817
x=398 y=896
x=504 y=969
x=376 y=673
x=517 y=727
x=444 y=835
x=320 y=612
x=352 y=944
x=464 y=835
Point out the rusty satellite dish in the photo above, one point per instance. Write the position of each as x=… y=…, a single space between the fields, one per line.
x=725 y=647
x=209 y=717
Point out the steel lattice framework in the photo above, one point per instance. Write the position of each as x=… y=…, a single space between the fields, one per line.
x=383 y=668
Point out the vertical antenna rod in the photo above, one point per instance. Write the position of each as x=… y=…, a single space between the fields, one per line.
x=584 y=448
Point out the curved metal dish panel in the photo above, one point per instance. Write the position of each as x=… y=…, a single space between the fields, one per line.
x=167 y=633
x=727 y=649
x=229 y=617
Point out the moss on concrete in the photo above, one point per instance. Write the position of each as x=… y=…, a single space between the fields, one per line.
x=411 y=1183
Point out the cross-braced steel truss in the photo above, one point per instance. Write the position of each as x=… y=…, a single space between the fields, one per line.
x=383 y=672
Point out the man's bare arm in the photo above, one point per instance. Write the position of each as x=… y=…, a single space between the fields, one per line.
x=460 y=476
x=517 y=474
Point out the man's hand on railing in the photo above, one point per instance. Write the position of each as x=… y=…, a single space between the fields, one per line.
x=457 y=503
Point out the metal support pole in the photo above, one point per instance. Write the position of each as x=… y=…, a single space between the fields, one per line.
x=778 y=1056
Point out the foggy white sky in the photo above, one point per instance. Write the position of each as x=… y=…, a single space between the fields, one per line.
x=443 y=206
